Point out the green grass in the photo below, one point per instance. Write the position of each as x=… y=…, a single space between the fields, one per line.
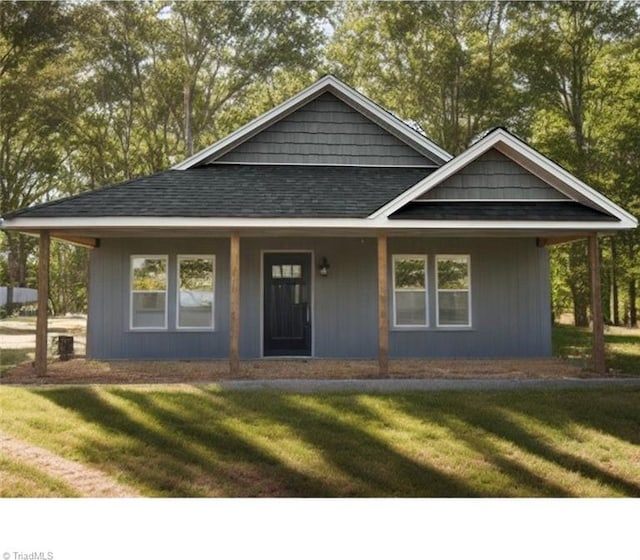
x=11 y=357
x=622 y=347
x=199 y=441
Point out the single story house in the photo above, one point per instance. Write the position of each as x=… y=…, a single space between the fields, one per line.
x=327 y=228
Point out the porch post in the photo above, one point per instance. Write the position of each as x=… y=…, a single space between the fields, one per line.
x=43 y=299
x=234 y=326
x=383 y=320
x=599 y=365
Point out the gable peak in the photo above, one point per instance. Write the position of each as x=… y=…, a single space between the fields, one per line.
x=326 y=84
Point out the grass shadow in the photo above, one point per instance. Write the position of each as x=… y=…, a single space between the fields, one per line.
x=248 y=468
x=492 y=421
x=179 y=456
x=200 y=441
x=366 y=464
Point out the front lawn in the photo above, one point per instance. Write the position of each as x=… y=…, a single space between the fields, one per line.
x=199 y=441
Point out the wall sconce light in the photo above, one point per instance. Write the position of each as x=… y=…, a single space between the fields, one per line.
x=324 y=266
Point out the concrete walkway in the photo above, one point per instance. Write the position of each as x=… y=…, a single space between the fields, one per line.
x=405 y=385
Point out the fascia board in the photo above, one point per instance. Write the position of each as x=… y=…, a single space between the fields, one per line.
x=172 y=223
x=573 y=183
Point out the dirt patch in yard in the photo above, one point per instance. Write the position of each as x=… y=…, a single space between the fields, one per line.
x=88 y=482
x=84 y=371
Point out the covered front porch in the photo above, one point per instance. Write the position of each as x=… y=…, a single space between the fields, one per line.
x=239 y=315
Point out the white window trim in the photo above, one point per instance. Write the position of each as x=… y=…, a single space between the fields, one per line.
x=132 y=291
x=468 y=325
x=179 y=259
x=394 y=259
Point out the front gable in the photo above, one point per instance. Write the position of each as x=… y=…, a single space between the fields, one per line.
x=330 y=112
x=493 y=176
x=502 y=179
x=326 y=131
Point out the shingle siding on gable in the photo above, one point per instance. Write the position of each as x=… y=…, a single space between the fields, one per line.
x=493 y=176
x=326 y=131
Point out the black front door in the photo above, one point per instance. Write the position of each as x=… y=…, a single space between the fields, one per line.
x=287 y=304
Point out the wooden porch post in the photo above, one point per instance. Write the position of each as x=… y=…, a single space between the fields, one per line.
x=599 y=365
x=234 y=331
x=383 y=319
x=43 y=299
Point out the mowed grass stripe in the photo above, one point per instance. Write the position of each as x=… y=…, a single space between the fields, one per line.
x=200 y=441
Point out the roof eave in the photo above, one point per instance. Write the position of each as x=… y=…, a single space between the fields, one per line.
x=171 y=224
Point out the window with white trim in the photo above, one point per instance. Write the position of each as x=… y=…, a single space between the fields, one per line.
x=453 y=289
x=410 y=291
x=149 y=291
x=196 y=288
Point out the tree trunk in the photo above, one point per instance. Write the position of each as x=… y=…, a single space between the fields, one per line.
x=12 y=272
x=633 y=309
x=577 y=277
x=580 y=308
x=9 y=304
x=615 y=298
x=605 y=286
x=188 y=133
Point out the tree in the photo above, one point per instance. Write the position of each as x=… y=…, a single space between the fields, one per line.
x=556 y=50
x=216 y=50
x=618 y=87
x=441 y=65
x=96 y=93
x=32 y=46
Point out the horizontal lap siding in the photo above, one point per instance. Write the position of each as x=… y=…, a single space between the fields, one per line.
x=510 y=299
x=494 y=176
x=326 y=131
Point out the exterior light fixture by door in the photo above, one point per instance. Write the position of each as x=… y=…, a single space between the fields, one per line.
x=324 y=266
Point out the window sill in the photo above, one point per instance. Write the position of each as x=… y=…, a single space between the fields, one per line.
x=166 y=330
x=432 y=329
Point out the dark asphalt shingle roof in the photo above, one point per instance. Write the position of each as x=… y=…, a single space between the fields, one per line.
x=242 y=191
x=561 y=211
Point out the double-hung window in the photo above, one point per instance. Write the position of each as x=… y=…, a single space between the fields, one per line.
x=453 y=287
x=196 y=278
x=410 y=291
x=149 y=292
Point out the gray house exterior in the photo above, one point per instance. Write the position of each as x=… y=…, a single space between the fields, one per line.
x=328 y=228
x=510 y=307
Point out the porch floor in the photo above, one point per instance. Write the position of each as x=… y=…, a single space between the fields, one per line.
x=82 y=371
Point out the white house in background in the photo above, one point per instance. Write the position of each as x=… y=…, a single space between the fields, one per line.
x=20 y=295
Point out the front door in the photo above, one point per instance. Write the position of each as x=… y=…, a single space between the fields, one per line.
x=287 y=304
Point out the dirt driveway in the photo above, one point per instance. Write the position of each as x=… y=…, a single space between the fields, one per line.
x=19 y=333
